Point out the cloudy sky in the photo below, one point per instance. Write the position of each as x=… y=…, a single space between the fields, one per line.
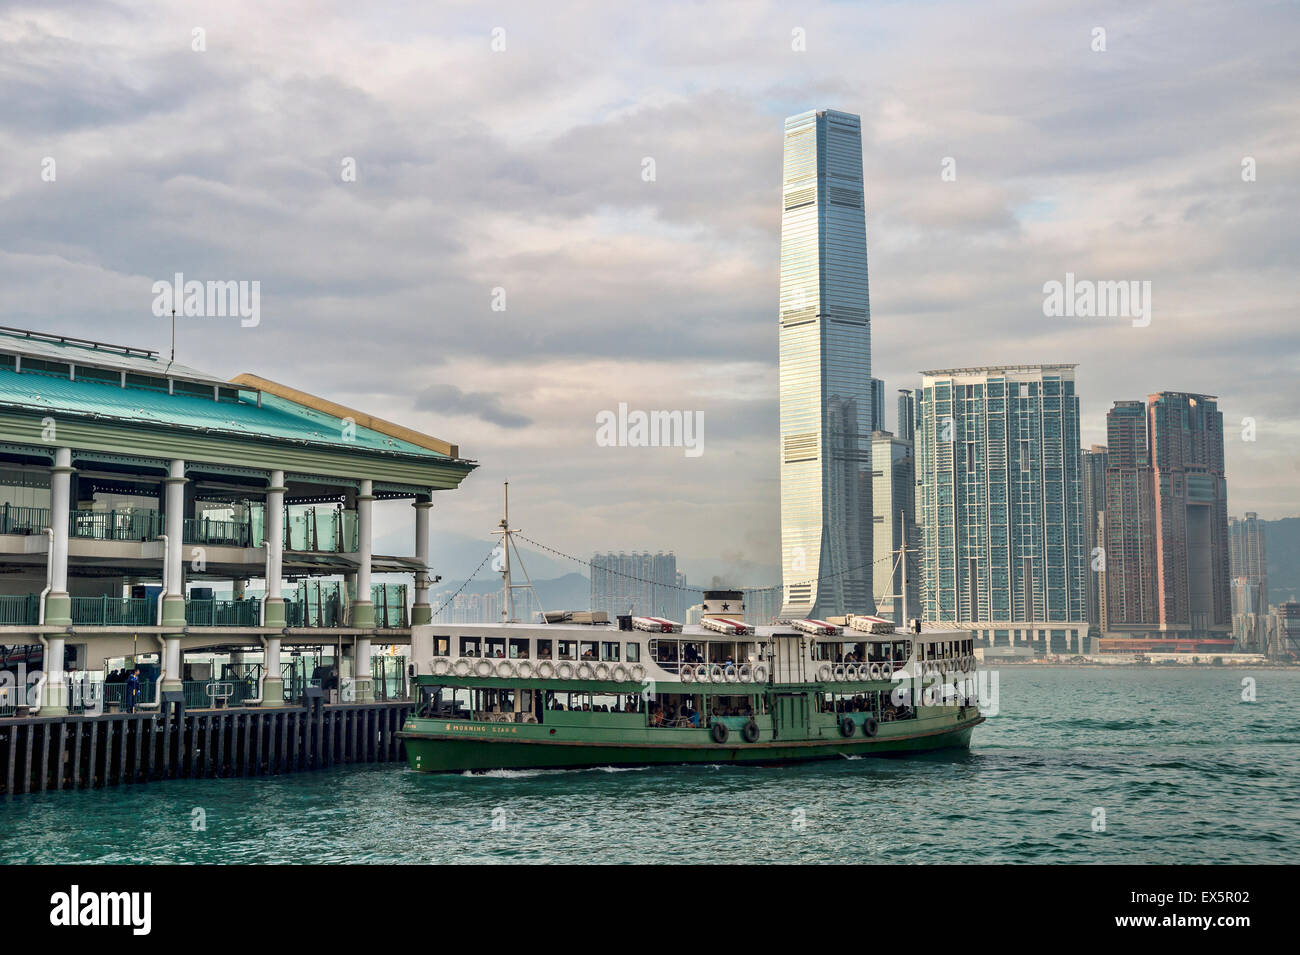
x=521 y=169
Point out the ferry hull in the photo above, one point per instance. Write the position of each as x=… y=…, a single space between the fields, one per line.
x=432 y=752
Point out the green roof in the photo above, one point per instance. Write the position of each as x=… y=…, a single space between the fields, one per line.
x=277 y=419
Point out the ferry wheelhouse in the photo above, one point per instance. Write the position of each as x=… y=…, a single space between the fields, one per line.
x=648 y=690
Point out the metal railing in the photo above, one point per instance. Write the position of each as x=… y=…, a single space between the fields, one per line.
x=216 y=693
x=223 y=613
x=132 y=525
x=17 y=519
x=20 y=608
x=114 y=611
x=203 y=530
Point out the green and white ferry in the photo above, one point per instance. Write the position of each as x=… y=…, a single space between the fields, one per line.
x=582 y=692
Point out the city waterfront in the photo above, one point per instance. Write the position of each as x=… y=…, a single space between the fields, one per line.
x=1183 y=768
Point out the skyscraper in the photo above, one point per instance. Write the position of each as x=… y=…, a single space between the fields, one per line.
x=893 y=488
x=1167 y=553
x=1191 y=494
x=1094 y=505
x=906 y=430
x=642 y=584
x=1249 y=558
x=877 y=405
x=825 y=370
x=1000 y=504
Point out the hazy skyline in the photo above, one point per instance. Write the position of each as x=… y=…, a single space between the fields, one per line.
x=524 y=169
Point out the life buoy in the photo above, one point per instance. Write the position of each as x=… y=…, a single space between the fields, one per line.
x=716 y=674
x=524 y=669
x=688 y=674
x=837 y=673
x=620 y=673
x=483 y=668
x=638 y=672
x=750 y=732
x=732 y=675
x=760 y=673
x=745 y=672
x=505 y=669
x=847 y=726
x=719 y=732
x=824 y=673
x=546 y=669
x=586 y=671
x=565 y=670
x=461 y=667
x=441 y=666
x=602 y=671
x=701 y=673
x=870 y=726
x=886 y=670
x=875 y=671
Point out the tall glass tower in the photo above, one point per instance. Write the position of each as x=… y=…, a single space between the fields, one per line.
x=826 y=389
x=1000 y=505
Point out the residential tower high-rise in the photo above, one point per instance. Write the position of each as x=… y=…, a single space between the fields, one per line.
x=1094 y=506
x=1000 y=505
x=825 y=370
x=1167 y=550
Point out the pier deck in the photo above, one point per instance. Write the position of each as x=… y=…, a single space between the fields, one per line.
x=88 y=751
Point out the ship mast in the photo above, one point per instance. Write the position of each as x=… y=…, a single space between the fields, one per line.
x=508 y=585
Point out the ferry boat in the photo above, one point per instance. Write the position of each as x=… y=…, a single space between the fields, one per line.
x=584 y=692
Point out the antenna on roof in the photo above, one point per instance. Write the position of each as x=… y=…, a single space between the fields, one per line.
x=173 y=358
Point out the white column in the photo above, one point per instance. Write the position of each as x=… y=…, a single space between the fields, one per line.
x=173 y=609
x=363 y=610
x=420 y=610
x=175 y=516
x=365 y=500
x=274 y=607
x=60 y=508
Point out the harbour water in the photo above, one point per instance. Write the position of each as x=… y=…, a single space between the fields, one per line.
x=1184 y=770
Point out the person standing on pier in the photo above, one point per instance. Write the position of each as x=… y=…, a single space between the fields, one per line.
x=133 y=690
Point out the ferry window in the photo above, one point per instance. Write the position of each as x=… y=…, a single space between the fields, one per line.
x=634 y=653
x=568 y=650
x=495 y=647
x=544 y=649
x=518 y=649
x=442 y=646
x=609 y=651
x=588 y=648
x=469 y=646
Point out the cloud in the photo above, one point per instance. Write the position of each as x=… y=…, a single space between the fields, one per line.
x=450 y=400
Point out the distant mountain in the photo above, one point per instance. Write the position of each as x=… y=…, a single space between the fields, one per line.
x=570 y=592
x=1283 y=542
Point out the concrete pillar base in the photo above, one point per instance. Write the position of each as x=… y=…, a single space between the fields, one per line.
x=363 y=614
x=58 y=610
x=272 y=692
x=173 y=610
x=275 y=613
x=421 y=614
